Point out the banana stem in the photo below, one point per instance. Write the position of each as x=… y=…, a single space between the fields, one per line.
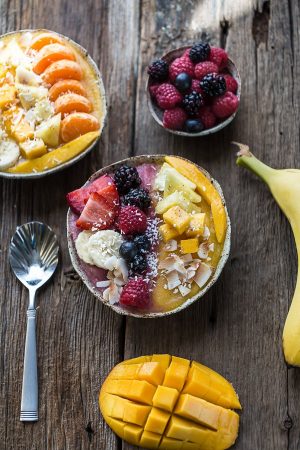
x=249 y=161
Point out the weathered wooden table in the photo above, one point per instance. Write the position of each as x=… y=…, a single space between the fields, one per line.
x=236 y=329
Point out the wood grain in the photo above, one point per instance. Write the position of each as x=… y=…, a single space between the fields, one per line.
x=236 y=329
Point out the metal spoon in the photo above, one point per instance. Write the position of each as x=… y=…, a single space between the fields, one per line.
x=33 y=256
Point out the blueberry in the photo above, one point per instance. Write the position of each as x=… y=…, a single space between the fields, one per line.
x=128 y=250
x=194 y=126
x=183 y=82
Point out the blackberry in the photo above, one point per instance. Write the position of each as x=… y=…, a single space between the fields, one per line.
x=199 y=52
x=213 y=84
x=192 y=103
x=138 y=197
x=138 y=264
x=128 y=250
x=158 y=70
x=126 y=178
x=142 y=242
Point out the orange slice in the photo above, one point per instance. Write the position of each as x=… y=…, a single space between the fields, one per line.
x=76 y=124
x=68 y=103
x=64 y=87
x=49 y=54
x=62 y=69
x=44 y=39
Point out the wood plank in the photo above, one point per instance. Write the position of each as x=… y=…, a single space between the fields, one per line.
x=79 y=340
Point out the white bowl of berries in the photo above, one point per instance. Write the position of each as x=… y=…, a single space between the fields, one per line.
x=193 y=91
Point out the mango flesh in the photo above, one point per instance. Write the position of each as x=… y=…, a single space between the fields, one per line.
x=167 y=402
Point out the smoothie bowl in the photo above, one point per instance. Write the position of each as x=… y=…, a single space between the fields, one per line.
x=52 y=103
x=149 y=235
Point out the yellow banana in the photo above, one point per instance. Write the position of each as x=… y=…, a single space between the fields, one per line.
x=284 y=184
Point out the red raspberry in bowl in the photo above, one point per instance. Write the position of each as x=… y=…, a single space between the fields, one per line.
x=207 y=117
x=167 y=96
x=204 y=68
x=136 y=293
x=132 y=220
x=231 y=83
x=196 y=87
x=153 y=89
x=225 y=105
x=219 y=57
x=179 y=65
x=174 y=118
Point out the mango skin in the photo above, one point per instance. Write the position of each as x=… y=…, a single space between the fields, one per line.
x=166 y=402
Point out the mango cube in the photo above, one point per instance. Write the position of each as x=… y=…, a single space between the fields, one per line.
x=165 y=398
x=22 y=131
x=176 y=374
x=132 y=433
x=157 y=421
x=151 y=372
x=196 y=227
x=189 y=245
x=150 y=440
x=177 y=218
x=32 y=148
x=168 y=232
x=135 y=413
x=7 y=95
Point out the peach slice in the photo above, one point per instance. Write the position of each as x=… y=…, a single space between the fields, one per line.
x=49 y=54
x=44 y=39
x=64 y=87
x=62 y=69
x=68 y=103
x=76 y=124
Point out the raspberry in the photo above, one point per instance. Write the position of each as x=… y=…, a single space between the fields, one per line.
x=158 y=70
x=167 y=96
x=225 y=105
x=153 y=89
x=192 y=103
x=204 y=68
x=132 y=220
x=186 y=53
x=180 y=65
x=138 y=197
x=207 y=117
x=126 y=178
x=174 y=118
x=196 y=87
x=199 y=52
x=213 y=84
x=219 y=57
x=136 y=293
x=231 y=83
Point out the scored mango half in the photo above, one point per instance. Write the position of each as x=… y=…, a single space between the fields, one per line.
x=166 y=402
x=206 y=189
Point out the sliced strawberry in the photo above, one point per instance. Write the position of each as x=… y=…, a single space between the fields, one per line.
x=97 y=213
x=78 y=198
x=110 y=193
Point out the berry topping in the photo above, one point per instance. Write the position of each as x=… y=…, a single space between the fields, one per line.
x=194 y=126
x=192 y=103
x=231 y=83
x=180 y=65
x=183 y=82
x=126 y=178
x=207 y=117
x=204 y=68
x=174 y=118
x=136 y=293
x=199 y=52
x=218 y=56
x=225 y=105
x=132 y=220
x=100 y=210
x=167 y=96
x=213 y=84
x=158 y=70
x=138 y=197
x=128 y=250
x=143 y=243
x=78 y=198
x=138 y=264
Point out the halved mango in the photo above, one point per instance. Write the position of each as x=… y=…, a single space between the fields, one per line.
x=49 y=54
x=190 y=408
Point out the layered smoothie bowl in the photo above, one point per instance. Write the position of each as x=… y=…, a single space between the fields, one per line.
x=52 y=103
x=148 y=235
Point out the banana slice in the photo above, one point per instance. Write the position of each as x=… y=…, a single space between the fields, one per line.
x=103 y=248
x=9 y=154
x=81 y=245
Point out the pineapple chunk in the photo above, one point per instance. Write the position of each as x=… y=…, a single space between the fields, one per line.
x=29 y=95
x=189 y=245
x=49 y=131
x=160 y=180
x=33 y=149
x=176 y=182
x=175 y=199
x=177 y=218
x=7 y=95
x=167 y=232
x=197 y=224
x=22 y=131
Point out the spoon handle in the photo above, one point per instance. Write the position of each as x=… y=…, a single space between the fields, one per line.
x=29 y=404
